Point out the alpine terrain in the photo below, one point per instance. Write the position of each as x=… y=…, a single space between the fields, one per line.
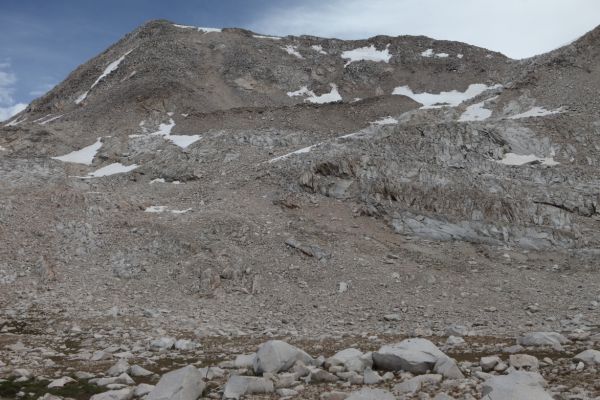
x=202 y=213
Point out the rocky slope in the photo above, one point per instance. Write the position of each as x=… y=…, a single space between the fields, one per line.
x=223 y=187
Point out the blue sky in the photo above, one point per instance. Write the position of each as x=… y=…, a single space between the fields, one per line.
x=41 y=41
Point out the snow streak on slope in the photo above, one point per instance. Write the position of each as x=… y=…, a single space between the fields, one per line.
x=318 y=48
x=519 y=159
x=199 y=29
x=112 y=67
x=443 y=99
x=536 y=112
x=160 y=209
x=367 y=54
x=83 y=156
x=267 y=37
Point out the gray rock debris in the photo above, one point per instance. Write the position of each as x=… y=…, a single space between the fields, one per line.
x=371 y=394
x=310 y=250
x=351 y=359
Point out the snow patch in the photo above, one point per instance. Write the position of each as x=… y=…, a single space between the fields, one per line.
x=519 y=159
x=267 y=37
x=292 y=50
x=164 y=130
x=83 y=156
x=160 y=209
x=367 y=54
x=536 y=112
x=477 y=112
x=459 y=56
x=157 y=180
x=183 y=141
x=318 y=48
x=443 y=99
x=199 y=29
x=385 y=121
x=330 y=97
x=430 y=53
x=111 y=169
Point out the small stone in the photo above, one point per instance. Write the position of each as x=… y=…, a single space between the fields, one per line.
x=371 y=377
x=524 y=361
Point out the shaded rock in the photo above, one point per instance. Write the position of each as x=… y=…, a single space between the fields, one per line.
x=318 y=375
x=447 y=367
x=238 y=386
x=244 y=360
x=278 y=356
x=182 y=384
x=121 y=367
x=371 y=377
x=143 y=389
x=518 y=385
x=310 y=250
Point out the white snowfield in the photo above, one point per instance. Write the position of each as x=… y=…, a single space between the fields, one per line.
x=367 y=54
x=536 y=112
x=84 y=156
x=182 y=141
x=112 y=67
x=292 y=50
x=111 y=169
x=330 y=97
x=431 y=53
x=444 y=99
x=519 y=159
x=160 y=209
x=477 y=112
x=199 y=29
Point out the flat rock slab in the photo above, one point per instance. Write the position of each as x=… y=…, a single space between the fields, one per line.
x=182 y=384
x=518 y=385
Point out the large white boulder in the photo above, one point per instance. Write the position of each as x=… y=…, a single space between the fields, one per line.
x=278 y=356
x=182 y=384
x=517 y=385
x=121 y=394
x=589 y=357
x=413 y=355
x=351 y=359
x=542 y=339
x=238 y=386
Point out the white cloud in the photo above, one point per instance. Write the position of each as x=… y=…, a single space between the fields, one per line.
x=7 y=112
x=8 y=80
x=518 y=28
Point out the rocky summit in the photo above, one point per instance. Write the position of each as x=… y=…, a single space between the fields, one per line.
x=221 y=214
